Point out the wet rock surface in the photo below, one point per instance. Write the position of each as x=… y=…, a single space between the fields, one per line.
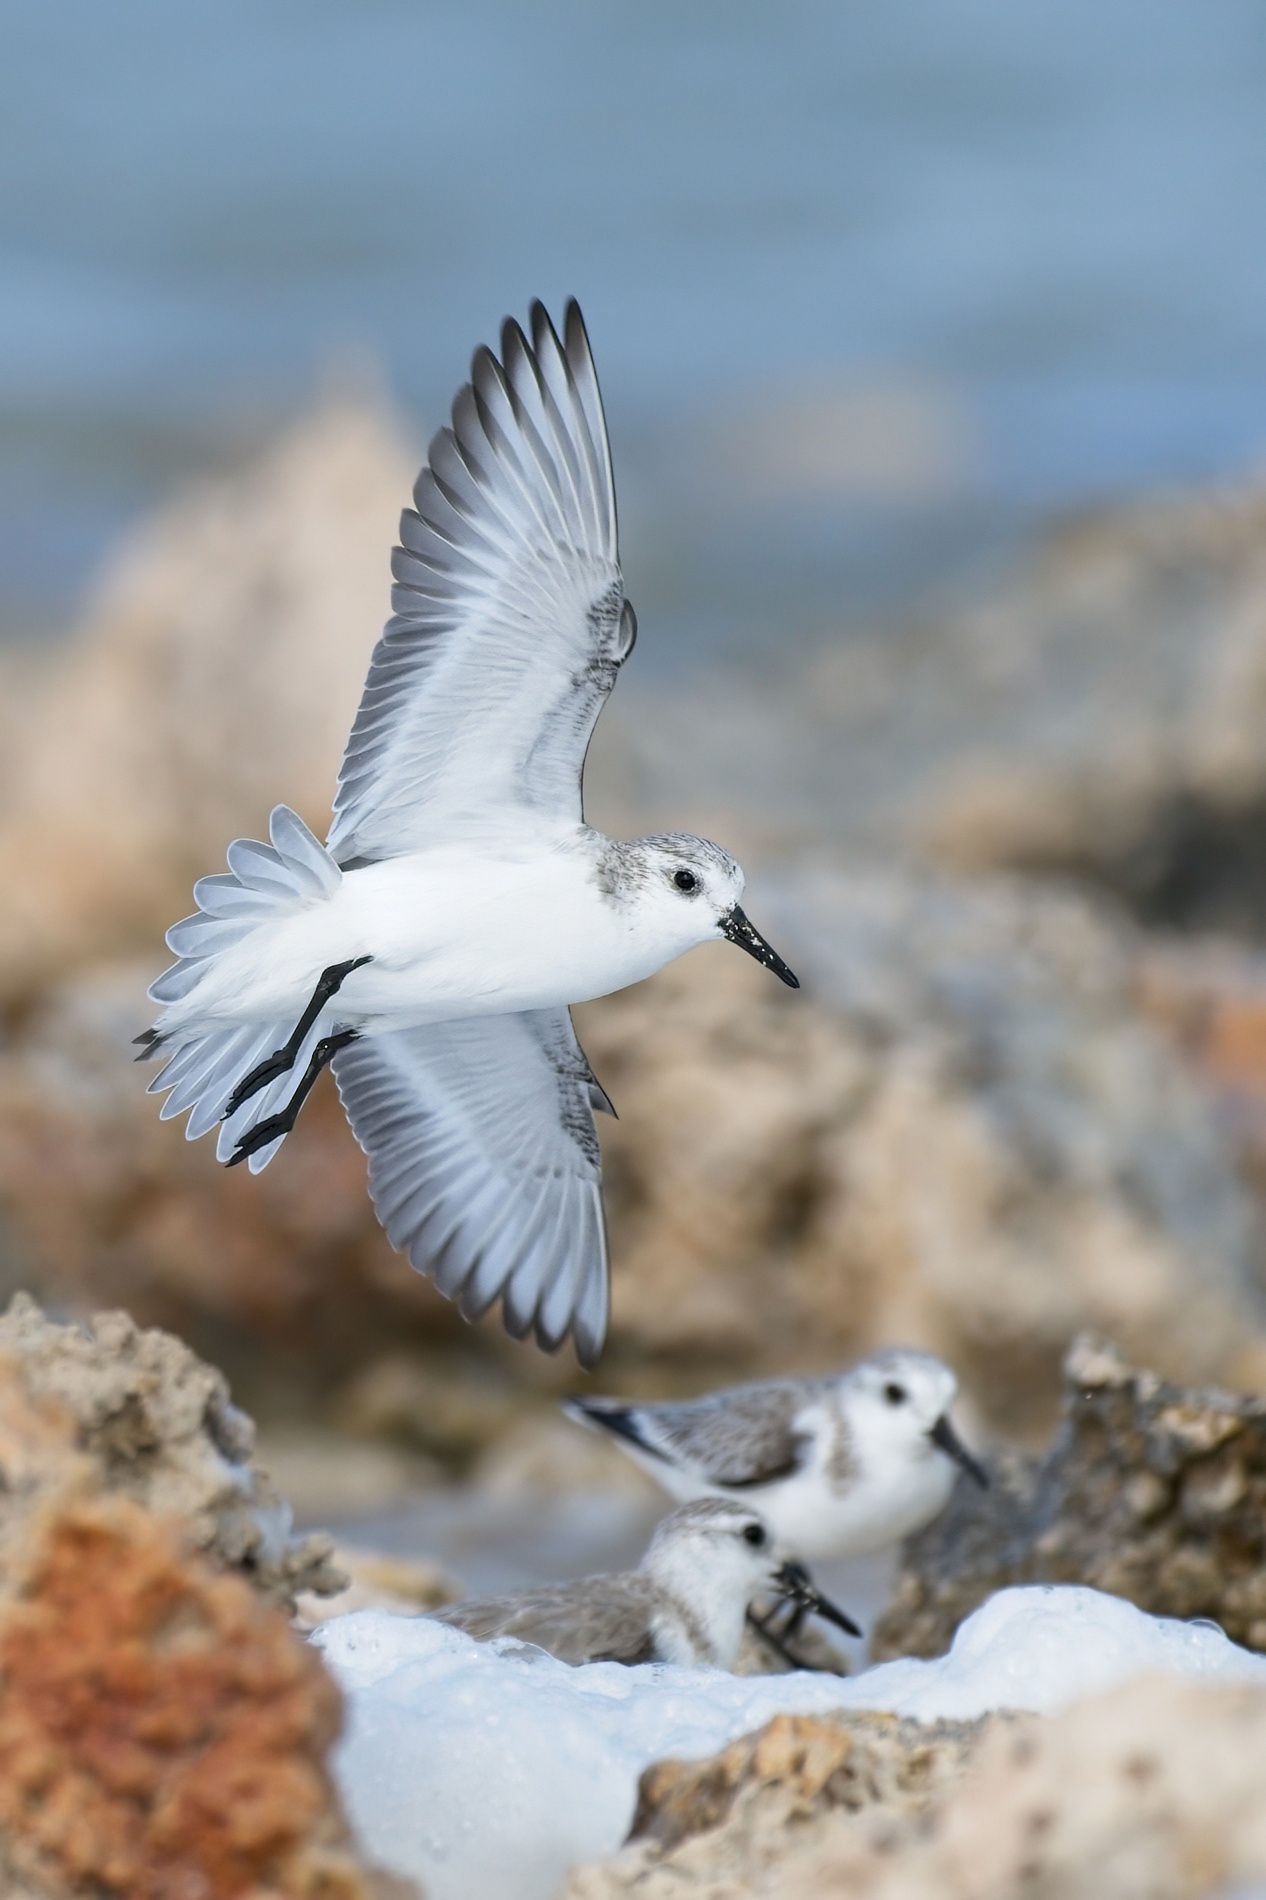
x=1152 y=1491
x=1157 y=1789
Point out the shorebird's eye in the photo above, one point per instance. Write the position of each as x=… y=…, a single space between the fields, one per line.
x=756 y=1535
x=685 y=880
x=895 y=1394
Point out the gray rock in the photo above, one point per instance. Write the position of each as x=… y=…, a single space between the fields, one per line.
x=1152 y=1491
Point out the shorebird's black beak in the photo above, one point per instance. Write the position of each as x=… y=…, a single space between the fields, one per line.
x=793 y=1581
x=943 y=1435
x=736 y=929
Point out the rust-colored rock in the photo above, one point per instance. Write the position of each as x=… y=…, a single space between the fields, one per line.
x=1152 y=1491
x=161 y=1730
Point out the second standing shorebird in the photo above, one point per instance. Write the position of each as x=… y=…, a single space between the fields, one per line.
x=840 y=1466
x=430 y=948
x=685 y=1603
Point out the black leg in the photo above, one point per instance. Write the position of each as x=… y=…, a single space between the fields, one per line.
x=263 y=1132
x=777 y=1638
x=328 y=984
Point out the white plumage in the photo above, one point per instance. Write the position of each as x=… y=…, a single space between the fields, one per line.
x=430 y=948
x=840 y=1466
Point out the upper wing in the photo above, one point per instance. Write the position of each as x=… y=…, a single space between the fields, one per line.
x=510 y=621
x=484 y=1166
x=738 y=1438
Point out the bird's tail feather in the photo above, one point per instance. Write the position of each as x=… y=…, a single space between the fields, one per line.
x=204 y=1068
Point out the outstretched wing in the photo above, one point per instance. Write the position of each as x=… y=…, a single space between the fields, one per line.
x=510 y=621
x=484 y=1166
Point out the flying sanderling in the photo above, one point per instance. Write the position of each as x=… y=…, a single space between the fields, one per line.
x=685 y=1603
x=430 y=948
x=840 y=1466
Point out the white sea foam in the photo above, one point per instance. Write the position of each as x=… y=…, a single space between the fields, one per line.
x=489 y=1769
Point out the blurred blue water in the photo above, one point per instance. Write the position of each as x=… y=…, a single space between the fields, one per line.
x=1036 y=232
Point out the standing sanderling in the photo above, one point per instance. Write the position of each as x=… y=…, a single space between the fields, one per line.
x=840 y=1466
x=685 y=1603
x=430 y=948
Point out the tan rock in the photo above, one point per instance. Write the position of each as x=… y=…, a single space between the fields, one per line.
x=404 y=1585
x=737 y=1822
x=1157 y=1789
x=155 y=1424
x=1152 y=1491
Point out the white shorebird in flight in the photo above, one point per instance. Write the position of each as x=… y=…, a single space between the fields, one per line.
x=429 y=949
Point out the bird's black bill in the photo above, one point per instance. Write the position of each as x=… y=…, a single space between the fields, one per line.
x=735 y=928
x=943 y=1435
x=794 y=1582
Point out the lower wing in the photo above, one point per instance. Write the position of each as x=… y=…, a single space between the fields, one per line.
x=484 y=1166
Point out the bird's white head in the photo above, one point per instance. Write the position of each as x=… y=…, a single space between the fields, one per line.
x=686 y=891
x=713 y=1550
x=896 y=1405
x=711 y=1559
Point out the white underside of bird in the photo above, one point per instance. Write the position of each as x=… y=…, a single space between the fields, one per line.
x=429 y=950
x=822 y=1523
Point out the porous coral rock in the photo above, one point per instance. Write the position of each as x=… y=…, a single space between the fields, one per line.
x=163 y=1731
x=1157 y=1789
x=799 y=1765
x=1151 y=1491
x=157 y=1425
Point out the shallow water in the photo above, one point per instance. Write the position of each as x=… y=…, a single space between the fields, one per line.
x=871 y=288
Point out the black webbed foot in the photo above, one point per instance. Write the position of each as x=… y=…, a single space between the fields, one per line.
x=328 y=984
x=281 y=1123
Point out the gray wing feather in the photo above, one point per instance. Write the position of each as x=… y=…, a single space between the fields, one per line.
x=509 y=621
x=484 y=1166
x=746 y=1436
x=599 y=1619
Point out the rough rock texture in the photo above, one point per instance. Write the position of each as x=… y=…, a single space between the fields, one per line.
x=1156 y=1790
x=158 y=1426
x=1152 y=1491
x=797 y=1766
x=163 y=1731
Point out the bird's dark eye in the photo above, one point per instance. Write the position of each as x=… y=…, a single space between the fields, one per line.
x=756 y=1535
x=685 y=880
x=895 y=1394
